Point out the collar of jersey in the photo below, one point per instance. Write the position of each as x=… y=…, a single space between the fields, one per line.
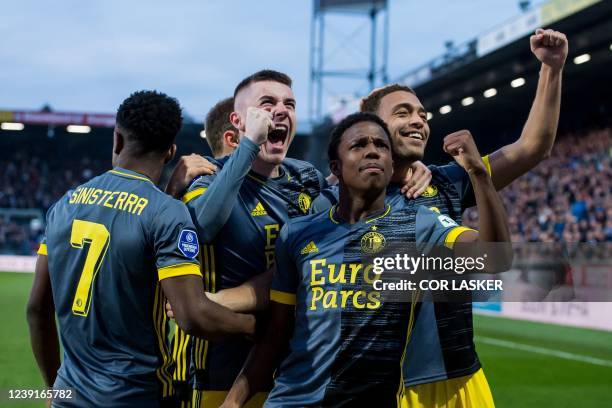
x=335 y=220
x=130 y=174
x=263 y=180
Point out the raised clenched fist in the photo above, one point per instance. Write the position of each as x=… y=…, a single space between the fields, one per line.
x=550 y=47
x=461 y=146
x=258 y=124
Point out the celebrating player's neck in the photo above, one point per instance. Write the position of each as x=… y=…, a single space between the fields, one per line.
x=357 y=205
x=263 y=168
x=149 y=166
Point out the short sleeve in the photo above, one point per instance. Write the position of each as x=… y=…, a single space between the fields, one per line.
x=197 y=187
x=285 y=279
x=175 y=242
x=42 y=248
x=436 y=229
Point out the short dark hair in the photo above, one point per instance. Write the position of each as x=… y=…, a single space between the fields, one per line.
x=371 y=103
x=263 y=75
x=152 y=120
x=346 y=123
x=217 y=122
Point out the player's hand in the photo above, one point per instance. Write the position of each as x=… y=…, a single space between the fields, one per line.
x=258 y=124
x=169 y=311
x=417 y=180
x=461 y=146
x=188 y=168
x=213 y=297
x=550 y=47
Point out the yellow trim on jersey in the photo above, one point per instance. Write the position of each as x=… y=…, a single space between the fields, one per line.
x=160 y=325
x=178 y=270
x=487 y=163
x=331 y=214
x=204 y=267
x=193 y=194
x=387 y=211
x=282 y=297
x=452 y=235
x=42 y=249
x=200 y=352
x=213 y=272
x=401 y=392
x=333 y=209
x=262 y=182
x=207 y=260
x=179 y=353
x=196 y=397
x=131 y=176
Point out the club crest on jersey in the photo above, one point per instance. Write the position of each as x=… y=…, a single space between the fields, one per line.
x=372 y=242
x=430 y=191
x=188 y=243
x=304 y=202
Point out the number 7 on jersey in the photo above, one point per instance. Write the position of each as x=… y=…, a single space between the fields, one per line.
x=98 y=237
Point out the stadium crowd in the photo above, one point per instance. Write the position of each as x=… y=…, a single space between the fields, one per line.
x=29 y=181
x=32 y=181
x=566 y=198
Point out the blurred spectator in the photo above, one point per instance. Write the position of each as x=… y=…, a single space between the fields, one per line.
x=33 y=181
x=29 y=181
x=567 y=197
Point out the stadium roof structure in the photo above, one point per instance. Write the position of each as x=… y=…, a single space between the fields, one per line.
x=46 y=117
x=491 y=94
x=103 y=120
x=90 y=134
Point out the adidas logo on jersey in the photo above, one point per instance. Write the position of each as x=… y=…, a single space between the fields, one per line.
x=311 y=248
x=259 y=210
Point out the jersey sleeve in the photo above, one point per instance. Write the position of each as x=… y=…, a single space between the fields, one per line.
x=175 y=242
x=42 y=248
x=325 y=200
x=285 y=279
x=433 y=228
x=210 y=199
x=461 y=180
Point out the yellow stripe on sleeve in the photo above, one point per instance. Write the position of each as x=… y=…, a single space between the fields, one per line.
x=193 y=194
x=452 y=235
x=487 y=163
x=282 y=297
x=42 y=249
x=178 y=270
